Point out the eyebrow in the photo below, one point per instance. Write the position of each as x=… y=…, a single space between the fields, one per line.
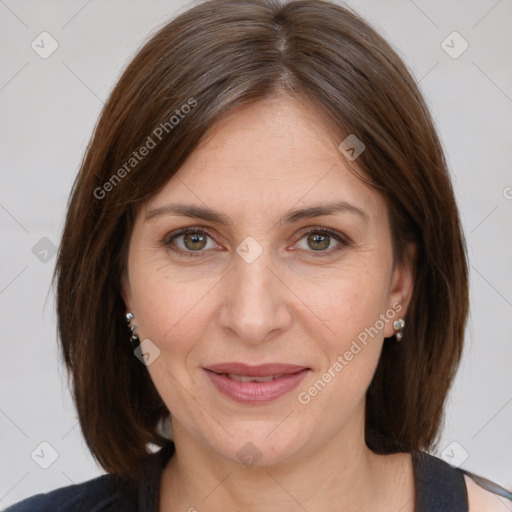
x=207 y=214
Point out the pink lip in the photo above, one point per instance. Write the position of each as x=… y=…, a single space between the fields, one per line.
x=255 y=392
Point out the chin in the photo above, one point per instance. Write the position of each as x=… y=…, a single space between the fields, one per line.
x=259 y=445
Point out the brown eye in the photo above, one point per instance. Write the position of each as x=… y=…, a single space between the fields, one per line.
x=318 y=241
x=193 y=241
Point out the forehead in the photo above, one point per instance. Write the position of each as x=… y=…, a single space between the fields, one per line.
x=268 y=157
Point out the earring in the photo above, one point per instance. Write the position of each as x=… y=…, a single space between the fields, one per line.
x=133 y=338
x=398 y=325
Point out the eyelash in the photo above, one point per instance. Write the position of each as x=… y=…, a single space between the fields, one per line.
x=344 y=241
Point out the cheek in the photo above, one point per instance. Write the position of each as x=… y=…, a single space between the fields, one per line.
x=351 y=305
x=171 y=311
x=170 y=306
x=347 y=302
x=352 y=311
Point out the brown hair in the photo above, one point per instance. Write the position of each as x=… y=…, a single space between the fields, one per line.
x=215 y=57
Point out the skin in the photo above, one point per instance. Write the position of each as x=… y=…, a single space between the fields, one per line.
x=479 y=499
x=287 y=305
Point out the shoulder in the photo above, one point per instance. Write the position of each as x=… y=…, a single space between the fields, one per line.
x=441 y=486
x=104 y=493
x=485 y=499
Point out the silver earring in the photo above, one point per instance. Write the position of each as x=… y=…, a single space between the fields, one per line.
x=133 y=338
x=398 y=325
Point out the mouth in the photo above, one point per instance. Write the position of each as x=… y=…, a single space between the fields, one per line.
x=255 y=384
x=247 y=378
x=262 y=370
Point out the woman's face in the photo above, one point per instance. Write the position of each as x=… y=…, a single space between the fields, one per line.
x=259 y=289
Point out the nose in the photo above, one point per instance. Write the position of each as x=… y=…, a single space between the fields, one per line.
x=255 y=306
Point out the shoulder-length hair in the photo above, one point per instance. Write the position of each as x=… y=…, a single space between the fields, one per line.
x=209 y=60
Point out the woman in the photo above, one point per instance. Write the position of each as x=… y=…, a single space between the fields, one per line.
x=266 y=203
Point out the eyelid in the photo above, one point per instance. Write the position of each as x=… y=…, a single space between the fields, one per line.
x=338 y=234
x=184 y=231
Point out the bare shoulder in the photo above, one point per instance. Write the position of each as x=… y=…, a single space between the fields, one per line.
x=482 y=500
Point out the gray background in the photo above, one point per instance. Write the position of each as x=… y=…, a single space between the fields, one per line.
x=48 y=110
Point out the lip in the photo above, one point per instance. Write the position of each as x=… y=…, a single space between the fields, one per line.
x=261 y=370
x=255 y=392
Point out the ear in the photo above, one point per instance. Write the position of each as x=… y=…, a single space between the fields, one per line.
x=401 y=287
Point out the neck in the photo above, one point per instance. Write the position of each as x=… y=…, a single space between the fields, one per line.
x=340 y=475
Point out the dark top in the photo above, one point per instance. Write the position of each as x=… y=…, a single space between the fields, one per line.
x=439 y=488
